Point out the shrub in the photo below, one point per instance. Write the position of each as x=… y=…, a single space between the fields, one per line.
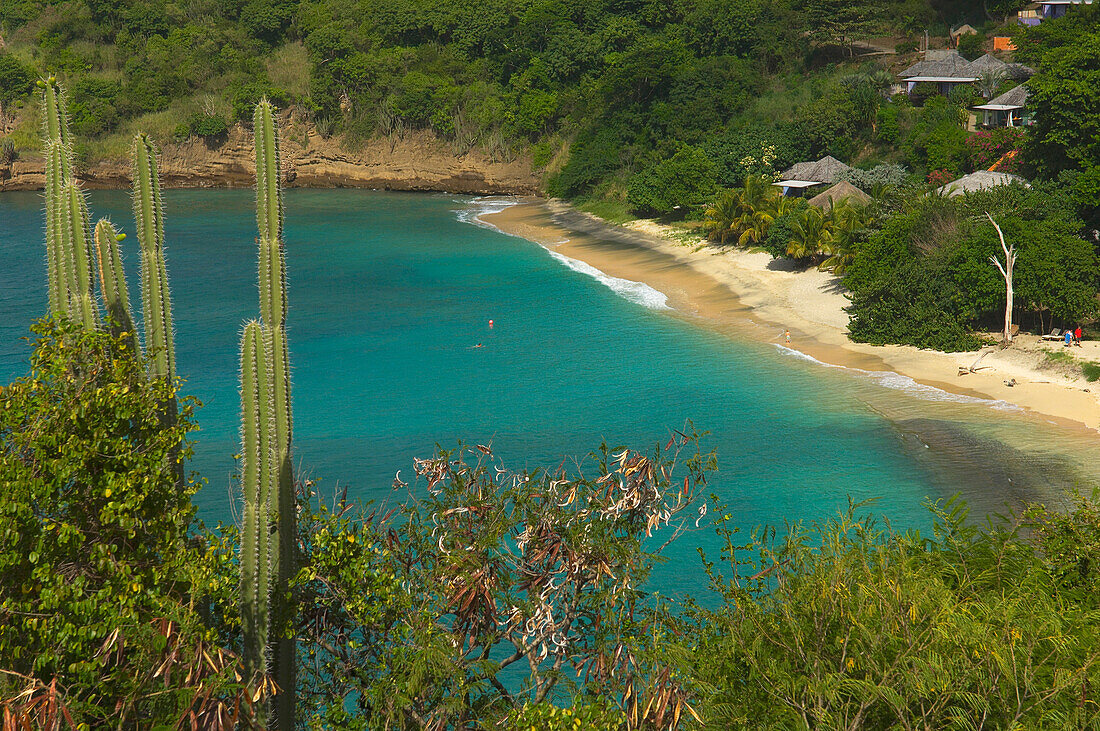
x=207 y=125
x=16 y=80
x=674 y=184
x=985 y=147
x=971 y=45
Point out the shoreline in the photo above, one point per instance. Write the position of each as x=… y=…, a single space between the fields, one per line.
x=749 y=295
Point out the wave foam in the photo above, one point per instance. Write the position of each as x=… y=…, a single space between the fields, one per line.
x=472 y=212
x=637 y=292
x=899 y=382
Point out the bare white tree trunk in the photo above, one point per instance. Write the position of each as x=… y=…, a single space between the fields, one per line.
x=1006 y=272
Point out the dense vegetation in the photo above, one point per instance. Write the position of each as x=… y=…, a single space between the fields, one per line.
x=487 y=597
x=116 y=607
x=628 y=87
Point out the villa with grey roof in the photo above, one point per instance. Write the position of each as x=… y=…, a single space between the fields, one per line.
x=946 y=69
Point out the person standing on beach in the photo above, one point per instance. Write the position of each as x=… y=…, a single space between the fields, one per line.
x=787 y=335
x=1077 y=336
x=1069 y=337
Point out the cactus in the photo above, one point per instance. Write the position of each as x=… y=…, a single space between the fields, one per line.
x=273 y=495
x=257 y=482
x=68 y=238
x=76 y=240
x=55 y=251
x=156 y=302
x=112 y=278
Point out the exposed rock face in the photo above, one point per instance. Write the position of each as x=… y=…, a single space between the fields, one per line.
x=414 y=161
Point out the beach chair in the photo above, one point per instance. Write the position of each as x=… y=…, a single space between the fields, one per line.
x=1055 y=334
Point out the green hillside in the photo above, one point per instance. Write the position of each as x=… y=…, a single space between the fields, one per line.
x=623 y=84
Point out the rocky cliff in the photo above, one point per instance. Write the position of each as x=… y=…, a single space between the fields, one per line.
x=415 y=160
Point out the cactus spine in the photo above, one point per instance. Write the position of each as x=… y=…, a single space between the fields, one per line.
x=156 y=302
x=277 y=512
x=55 y=251
x=77 y=241
x=258 y=464
x=112 y=278
x=68 y=230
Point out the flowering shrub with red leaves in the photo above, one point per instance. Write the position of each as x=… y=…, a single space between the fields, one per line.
x=940 y=177
x=985 y=147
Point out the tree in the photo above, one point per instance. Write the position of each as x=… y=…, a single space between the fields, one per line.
x=1006 y=272
x=96 y=587
x=683 y=180
x=498 y=588
x=16 y=80
x=1064 y=94
x=838 y=21
x=810 y=234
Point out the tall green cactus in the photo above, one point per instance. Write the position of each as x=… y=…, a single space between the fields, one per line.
x=77 y=241
x=281 y=513
x=68 y=229
x=56 y=153
x=112 y=278
x=257 y=482
x=156 y=302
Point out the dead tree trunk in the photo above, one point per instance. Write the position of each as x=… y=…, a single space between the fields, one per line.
x=1006 y=272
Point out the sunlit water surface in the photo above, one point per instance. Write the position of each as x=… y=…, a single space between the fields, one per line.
x=389 y=294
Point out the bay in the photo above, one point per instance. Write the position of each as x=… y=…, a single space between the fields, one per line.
x=390 y=294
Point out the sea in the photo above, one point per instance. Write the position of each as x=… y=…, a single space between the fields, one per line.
x=393 y=356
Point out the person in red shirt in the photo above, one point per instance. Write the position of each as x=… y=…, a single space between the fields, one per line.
x=1077 y=336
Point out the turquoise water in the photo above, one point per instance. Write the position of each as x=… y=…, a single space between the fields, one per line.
x=390 y=292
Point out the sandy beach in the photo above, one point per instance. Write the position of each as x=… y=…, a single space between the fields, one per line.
x=748 y=294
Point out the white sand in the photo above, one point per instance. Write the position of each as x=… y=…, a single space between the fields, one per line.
x=812 y=305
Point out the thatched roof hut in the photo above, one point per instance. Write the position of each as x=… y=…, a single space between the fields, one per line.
x=980 y=180
x=839 y=192
x=820 y=171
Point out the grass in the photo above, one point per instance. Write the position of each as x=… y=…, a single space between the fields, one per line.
x=288 y=69
x=612 y=211
x=1091 y=371
x=1060 y=357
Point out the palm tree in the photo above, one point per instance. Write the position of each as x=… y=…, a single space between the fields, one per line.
x=809 y=235
x=757 y=202
x=721 y=217
x=844 y=221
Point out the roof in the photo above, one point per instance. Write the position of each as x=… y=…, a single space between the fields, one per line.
x=964 y=29
x=944 y=65
x=1014 y=98
x=951 y=66
x=797 y=183
x=976 y=181
x=943 y=79
x=824 y=170
x=841 y=191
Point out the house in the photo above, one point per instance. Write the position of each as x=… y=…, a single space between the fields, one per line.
x=804 y=175
x=840 y=192
x=1006 y=110
x=980 y=180
x=963 y=30
x=1046 y=10
x=947 y=69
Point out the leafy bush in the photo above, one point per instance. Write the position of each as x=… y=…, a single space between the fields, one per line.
x=971 y=45
x=985 y=147
x=684 y=180
x=207 y=125
x=886 y=175
x=16 y=79
x=850 y=624
x=95 y=564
